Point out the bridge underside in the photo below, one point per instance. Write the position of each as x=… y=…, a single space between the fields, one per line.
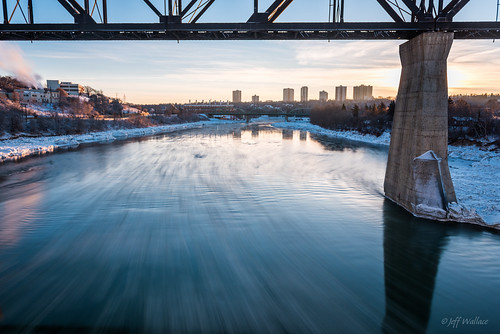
x=247 y=31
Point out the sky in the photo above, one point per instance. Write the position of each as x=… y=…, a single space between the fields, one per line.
x=168 y=71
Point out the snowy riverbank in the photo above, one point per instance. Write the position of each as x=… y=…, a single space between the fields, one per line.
x=475 y=171
x=18 y=148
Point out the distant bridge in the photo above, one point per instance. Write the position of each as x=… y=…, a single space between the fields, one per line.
x=302 y=112
x=212 y=110
x=180 y=19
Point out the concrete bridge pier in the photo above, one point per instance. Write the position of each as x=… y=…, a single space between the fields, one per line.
x=417 y=175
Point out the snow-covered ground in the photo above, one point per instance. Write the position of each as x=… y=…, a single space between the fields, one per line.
x=44 y=110
x=475 y=171
x=15 y=149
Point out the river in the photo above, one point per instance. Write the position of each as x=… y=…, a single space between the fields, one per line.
x=232 y=229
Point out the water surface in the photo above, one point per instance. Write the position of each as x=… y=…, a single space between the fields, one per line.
x=232 y=229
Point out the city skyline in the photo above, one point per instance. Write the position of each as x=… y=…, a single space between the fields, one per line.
x=167 y=71
x=238 y=96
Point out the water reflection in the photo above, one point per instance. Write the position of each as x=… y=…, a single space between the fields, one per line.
x=287 y=134
x=412 y=250
x=228 y=230
x=19 y=210
x=303 y=135
x=237 y=134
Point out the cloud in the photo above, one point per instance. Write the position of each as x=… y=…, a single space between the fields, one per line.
x=354 y=55
x=13 y=62
x=473 y=66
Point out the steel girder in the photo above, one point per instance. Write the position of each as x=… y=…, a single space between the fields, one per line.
x=424 y=13
x=260 y=25
x=247 y=31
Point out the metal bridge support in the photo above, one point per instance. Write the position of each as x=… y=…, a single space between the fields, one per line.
x=415 y=178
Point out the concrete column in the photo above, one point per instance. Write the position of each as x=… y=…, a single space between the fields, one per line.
x=421 y=125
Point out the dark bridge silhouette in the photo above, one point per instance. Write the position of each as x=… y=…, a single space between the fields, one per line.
x=212 y=110
x=248 y=114
x=180 y=22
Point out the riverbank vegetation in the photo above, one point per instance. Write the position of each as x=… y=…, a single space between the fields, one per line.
x=466 y=120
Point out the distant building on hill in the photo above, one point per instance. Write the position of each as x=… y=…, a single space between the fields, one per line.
x=71 y=88
x=255 y=99
x=37 y=96
x=53 y=84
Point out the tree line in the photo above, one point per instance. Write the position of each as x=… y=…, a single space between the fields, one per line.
x=465 y=120
x=372 y=119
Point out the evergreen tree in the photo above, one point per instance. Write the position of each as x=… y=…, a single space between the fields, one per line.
x=355 y=111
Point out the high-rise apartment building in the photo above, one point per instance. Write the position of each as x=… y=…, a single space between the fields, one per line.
x=323 y=96
x=304 y=94
x=255 y=99
x=288 y=95
x=340 y=93
x=361 y=93
x=236 y=96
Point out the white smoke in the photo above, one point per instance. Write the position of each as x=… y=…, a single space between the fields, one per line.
x=12 y=61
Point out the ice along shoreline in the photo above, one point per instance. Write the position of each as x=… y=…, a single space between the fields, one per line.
x=23 y=147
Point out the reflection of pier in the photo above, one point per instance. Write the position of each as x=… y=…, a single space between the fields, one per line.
x=287 y=134
x=237 y=134
x=264 y=130
x=303 y=135
x=411 y=258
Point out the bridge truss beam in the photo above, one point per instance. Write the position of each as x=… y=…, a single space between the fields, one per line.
x=246 y=31
x=180 y=23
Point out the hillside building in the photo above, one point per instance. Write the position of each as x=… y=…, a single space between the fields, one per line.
x=71 y=88
x=37 y=96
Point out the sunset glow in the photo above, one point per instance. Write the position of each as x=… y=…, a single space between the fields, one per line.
x=167 y=71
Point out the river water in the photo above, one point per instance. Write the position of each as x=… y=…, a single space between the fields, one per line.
x=232 y=229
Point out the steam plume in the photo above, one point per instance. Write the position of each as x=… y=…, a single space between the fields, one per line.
x=13 y=62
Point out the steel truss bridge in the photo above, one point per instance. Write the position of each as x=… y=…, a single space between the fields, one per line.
x=180 y=22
